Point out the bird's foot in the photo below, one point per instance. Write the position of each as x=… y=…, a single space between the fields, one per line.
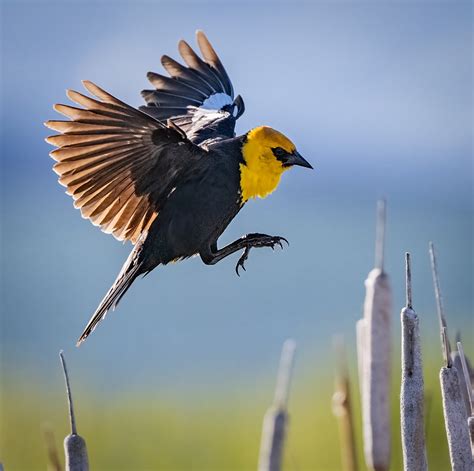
x=264 y=240
x=258 y=240
x=242 y=259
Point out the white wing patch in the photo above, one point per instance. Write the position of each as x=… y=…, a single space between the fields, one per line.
x=216 y=101
x=211 y=109
x=203 y=116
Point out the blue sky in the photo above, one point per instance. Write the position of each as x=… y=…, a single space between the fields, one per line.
x=377 y=95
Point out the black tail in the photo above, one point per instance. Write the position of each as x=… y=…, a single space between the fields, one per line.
x=129 y=272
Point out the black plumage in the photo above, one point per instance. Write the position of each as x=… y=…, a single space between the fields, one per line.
x=167 y=177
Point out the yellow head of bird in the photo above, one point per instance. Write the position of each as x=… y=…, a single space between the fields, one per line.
x=267 y=153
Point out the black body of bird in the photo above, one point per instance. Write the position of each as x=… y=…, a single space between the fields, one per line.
x=171 y=176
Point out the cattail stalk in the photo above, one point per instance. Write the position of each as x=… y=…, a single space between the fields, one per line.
x=460 y=362
x=412 y=390
x=374 y=357
x=455 y=420
x=275 y=421
x=467 y=381
x=454 y=409
x=470 y=424
x=74 y=445
x=342 y=409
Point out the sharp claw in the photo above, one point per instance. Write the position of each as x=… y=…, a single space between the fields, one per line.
x=239 y=265
x=241 y=262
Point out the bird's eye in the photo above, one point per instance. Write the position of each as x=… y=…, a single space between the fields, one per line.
x=279 y=153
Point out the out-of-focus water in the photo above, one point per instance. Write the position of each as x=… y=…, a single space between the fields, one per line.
x=377 y=96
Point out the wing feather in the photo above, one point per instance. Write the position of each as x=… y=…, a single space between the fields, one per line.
x=199 y=97
x=211 y=57
x=202 y=68
x=179 y=72
x=105 y=157
x=78 y=128
x=168 y=84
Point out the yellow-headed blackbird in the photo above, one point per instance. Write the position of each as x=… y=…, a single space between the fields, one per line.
x=170 y=176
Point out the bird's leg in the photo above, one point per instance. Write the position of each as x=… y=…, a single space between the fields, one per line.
x=212 y=255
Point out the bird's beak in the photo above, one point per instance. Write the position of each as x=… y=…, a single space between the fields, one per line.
x=296 y=159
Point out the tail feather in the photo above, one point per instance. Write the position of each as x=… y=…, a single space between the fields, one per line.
x=130 y=271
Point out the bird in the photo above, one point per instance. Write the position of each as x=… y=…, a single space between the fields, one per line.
x=171 y=175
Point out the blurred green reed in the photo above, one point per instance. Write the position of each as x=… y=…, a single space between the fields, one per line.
x=217 y=431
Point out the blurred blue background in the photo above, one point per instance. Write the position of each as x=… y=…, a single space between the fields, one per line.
x=376 y=95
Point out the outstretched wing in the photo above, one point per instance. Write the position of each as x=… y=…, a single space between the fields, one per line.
x=119 y=164
x=199 y=98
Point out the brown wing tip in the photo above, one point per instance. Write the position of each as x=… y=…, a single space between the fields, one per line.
x=94 y=89
x=203 y=40
x=55 y=169
x=207 y=50
x=165 y=59
x=71 y=94
x=60 y=108
x=151 y=76
x=49 y=139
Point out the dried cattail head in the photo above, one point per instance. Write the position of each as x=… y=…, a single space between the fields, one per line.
x=75 y=452
x=454 y=407
x=412 y=388
x=455 y=420
x=374 y=352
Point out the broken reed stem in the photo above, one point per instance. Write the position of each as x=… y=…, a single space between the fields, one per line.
x=380 y=234
x=54 y=463
x=74 y=445
x=409 y=304
x=412 y=387
x=72 y=418
x=275 y=421
x=374 y=350
x=342 y=409
x=446 y=348
x=285 y=370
